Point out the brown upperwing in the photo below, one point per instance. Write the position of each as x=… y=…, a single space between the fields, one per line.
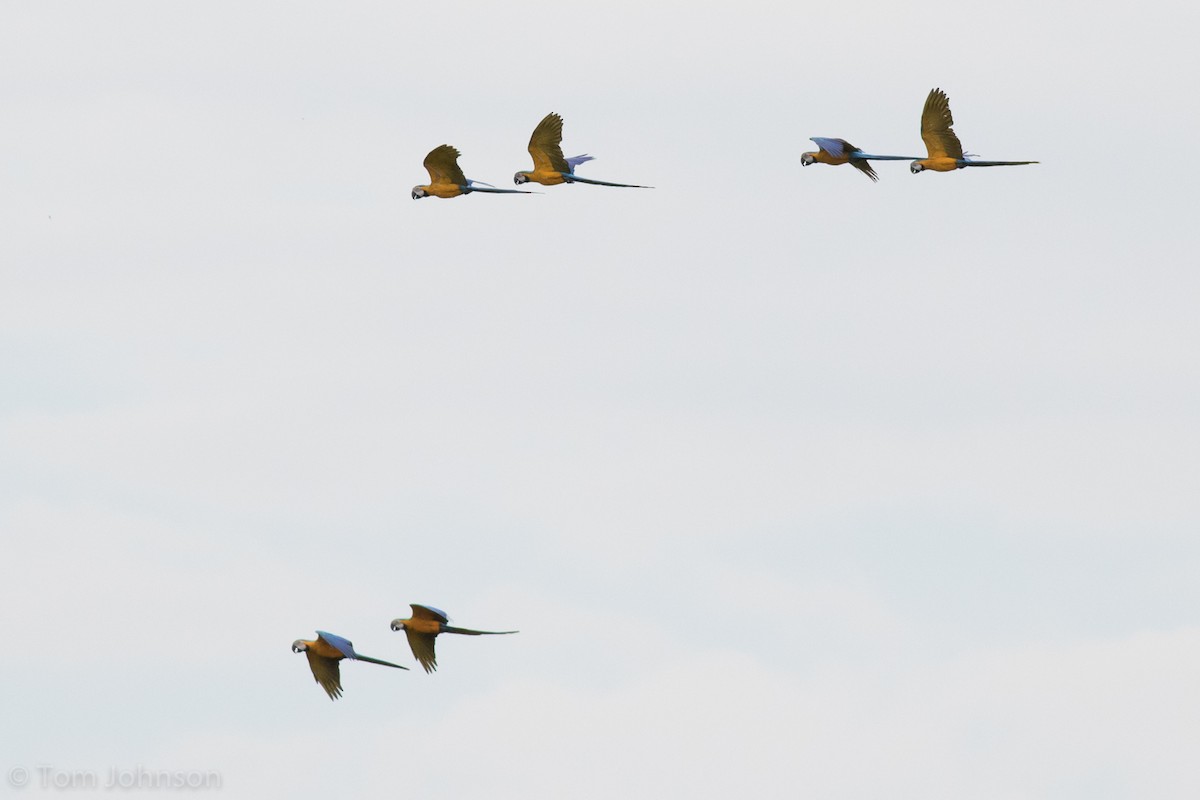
x=425 y=612
x=326 y=671
x=442 y=163
x=422 y=647
x=936 y=127
x=545 y=145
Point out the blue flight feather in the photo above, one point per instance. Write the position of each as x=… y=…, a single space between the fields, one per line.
x=341 y=644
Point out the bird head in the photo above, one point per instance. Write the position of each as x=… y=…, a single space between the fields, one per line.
x=521 y=177
x=807 y=159
x=299 y=646
x=418 y=193
x=916 y=167
x=397 y=624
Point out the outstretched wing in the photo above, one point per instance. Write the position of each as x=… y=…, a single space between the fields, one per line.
x=864 y=166
x=442 y=163
x=428 y=612
x=545 y=145
x=422 y=648
x=575 y=161
x=343 y=646
x=325 y=671
x=835 y=147
x=937 y=127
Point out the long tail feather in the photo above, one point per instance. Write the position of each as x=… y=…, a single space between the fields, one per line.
x=969 y=163
x=379 y=661
x=870 y=157
x=477 y=188
x=576 y=179
x=469 y=632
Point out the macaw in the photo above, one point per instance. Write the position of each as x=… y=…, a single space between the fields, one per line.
x=549 y=166
x=945 y=150
x=446 y=178
x=423 y=628
x=323 y=656
x=839 y=151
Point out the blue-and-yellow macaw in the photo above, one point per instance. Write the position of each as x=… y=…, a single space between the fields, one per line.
x=945 y=150
x=839 y=151
x=324 y=653
x=423 y=628
x=549 y=166
x=446 y=178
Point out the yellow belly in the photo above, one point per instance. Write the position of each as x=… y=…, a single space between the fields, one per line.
x=940 y=164
x=444 y=189
x=423 y=626
x=825 y=157
x=546 y=177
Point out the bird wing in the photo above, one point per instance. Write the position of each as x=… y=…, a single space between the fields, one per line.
x=936 y=127
x=575 y=161
x=864 y=166
x=326 y=672
x=442 y=163
x=343 y=646
x=835 y=147
x=545 y=145
x=422 y=648
x=428 y=612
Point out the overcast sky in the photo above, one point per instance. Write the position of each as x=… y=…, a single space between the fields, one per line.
x=795 y=485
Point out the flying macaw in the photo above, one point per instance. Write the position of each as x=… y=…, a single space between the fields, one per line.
x=323 y=656
x=945 y=150
x=423 y=628
x=549 y=166
x=446 y=178
x=839 y=151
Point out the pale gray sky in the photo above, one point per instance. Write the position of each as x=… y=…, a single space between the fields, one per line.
x=795 y=485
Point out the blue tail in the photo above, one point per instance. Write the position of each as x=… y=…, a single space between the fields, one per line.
x=869 y=157
x=966 y=162
x=377 y=661
x=469 y=189
x=573 y=178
